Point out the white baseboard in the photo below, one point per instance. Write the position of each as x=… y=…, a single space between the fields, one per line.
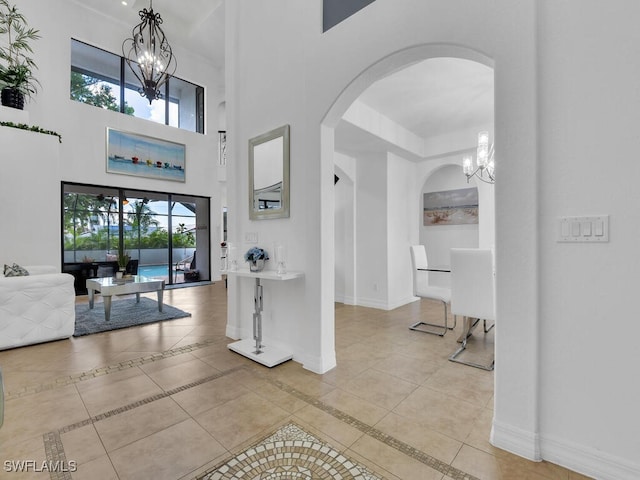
x=233 y=332
x=347 y=300
x=316 y=364
x=515 y=440
x=588 y=461
x=372 y=303
x=401 y=302
x=382 y=305
x=579 y=458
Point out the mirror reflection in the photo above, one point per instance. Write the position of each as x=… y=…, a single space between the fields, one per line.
x=269 y=174
x=267 y=171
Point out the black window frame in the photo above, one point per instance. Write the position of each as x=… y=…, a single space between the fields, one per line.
x=199 y=90
x=121 y=193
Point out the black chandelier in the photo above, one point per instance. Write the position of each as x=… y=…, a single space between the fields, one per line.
x=149 y=54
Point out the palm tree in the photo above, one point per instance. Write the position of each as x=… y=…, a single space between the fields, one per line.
x=141 y=219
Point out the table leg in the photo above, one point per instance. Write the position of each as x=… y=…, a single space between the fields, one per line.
x=137 y=297
x=107 y=307
x=91 y=293
x=257 y=316
x=160 y=296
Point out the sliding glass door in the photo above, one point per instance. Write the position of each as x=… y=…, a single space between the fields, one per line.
x=165 y=235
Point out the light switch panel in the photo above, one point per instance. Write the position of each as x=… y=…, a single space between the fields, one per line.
x=583 y=229
x=251 y=237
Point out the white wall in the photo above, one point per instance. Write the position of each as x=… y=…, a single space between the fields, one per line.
x=265 y=88
x=83 y=127
x=589 y=110
x=29 y=199
x=374 y=226
x=345 y=232
x=401 y=229
x=566 y=104
x=371 y=231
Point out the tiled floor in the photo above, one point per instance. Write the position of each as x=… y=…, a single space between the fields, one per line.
x=170 y=401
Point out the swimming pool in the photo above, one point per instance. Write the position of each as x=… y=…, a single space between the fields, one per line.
x=154 y=270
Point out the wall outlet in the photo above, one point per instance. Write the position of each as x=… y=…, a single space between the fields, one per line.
x=251 y=237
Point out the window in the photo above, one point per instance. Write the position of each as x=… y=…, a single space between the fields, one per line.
x=162 y=232
x=95 y=76
x=102 y=79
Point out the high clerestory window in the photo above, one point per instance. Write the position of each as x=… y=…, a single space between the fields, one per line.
x=97 y=77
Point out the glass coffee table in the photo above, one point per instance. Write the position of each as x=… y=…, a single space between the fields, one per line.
x=109 y=286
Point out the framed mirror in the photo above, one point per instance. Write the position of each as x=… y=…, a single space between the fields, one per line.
x=269 y=175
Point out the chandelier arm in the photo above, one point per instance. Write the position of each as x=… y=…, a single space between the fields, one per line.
x=479 y=174
x=490 y=182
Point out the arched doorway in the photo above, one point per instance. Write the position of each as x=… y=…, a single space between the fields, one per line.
x=421 y=117
x=516 y=253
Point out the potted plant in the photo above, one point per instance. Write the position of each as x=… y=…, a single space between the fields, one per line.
x=256 y=257
x=123 y=261
x=16 y=72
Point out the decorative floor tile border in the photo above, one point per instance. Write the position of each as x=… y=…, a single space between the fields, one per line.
x=97 y=372
x=147 y=400
x=54 y=448
x=56 y=458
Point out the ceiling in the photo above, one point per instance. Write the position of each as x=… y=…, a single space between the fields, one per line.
x=434 y=97
x=430 y=98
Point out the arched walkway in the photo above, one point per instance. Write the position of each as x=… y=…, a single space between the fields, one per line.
x=524 y=442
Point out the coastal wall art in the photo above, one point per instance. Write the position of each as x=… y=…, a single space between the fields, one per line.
x=139 y=155
x=451 y=207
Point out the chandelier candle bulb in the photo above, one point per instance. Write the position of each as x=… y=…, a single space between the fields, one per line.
x=467 y=165
x=483 y=149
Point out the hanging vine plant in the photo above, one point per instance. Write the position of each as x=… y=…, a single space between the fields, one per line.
x=32 y=128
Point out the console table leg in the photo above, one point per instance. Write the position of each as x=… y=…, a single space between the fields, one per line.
x=257 y=316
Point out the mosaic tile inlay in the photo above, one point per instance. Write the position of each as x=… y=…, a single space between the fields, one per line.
x=290 y=453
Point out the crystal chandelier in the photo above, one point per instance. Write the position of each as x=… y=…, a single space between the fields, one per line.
x=149 y=54
x=484 y=161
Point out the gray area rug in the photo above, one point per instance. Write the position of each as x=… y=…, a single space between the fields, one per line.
x=124 y=313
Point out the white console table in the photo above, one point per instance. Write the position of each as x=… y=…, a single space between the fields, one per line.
x=254 y=348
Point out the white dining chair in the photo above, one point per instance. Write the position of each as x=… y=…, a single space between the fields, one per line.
x=472 y=294
x=422 y=289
